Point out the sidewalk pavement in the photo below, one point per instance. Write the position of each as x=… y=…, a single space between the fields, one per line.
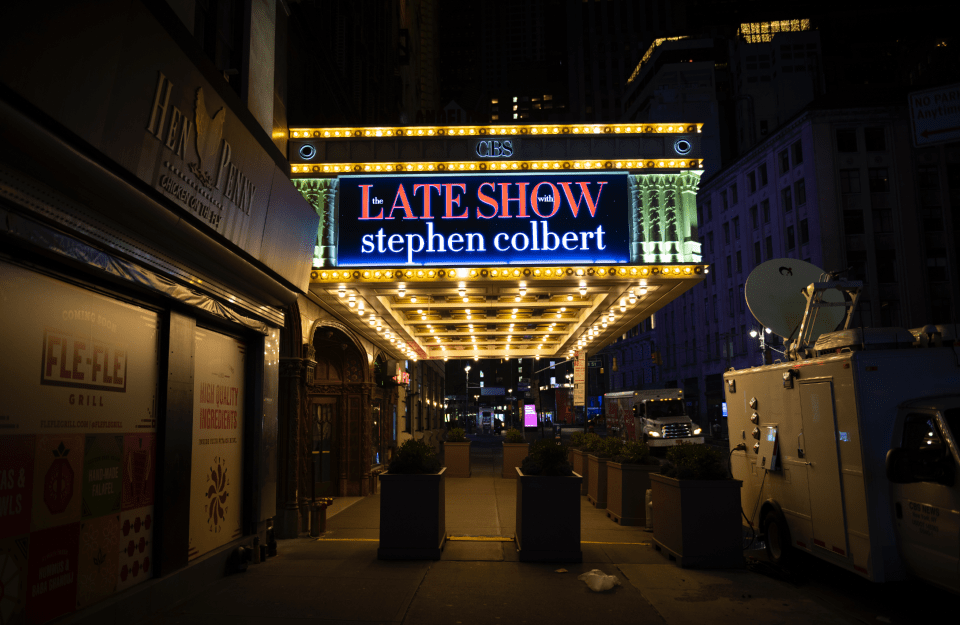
x=478 y=580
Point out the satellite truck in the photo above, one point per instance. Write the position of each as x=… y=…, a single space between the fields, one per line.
x=848 y=448
x=657 y=417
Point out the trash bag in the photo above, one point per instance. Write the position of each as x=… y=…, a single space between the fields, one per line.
x=598 y=581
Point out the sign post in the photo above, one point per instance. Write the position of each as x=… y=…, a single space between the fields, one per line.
x=579 y=379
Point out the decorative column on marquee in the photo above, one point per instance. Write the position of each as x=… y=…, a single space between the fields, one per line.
x=663 y=220
x=322 y=195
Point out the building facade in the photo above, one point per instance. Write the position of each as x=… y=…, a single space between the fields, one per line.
x=151 y=244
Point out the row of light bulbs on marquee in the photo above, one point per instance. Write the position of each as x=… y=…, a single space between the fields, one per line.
x=610 y=317
x=355 y=303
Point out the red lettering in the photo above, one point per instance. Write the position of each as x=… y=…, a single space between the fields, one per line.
x=584 y=193
x=64 y=372
x=78 y=348
x=365 y=203
x=400 y=201
x=98 y=351
x=427 y=188
x=51 y=359
x=119 y=365
x=521 y=199
x=535 y=202
x=486 y=199
x=454 y=201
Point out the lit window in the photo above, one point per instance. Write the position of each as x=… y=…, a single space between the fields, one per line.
x=514 y=115
x=547 y=97
x=494 y=117
x=495 y=101
x=514 y=98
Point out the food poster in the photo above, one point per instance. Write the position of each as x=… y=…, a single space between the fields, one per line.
x=217 y=467
x=86 y=368
x=52 y=573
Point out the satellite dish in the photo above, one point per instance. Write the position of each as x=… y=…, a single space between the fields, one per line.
x=774 y=294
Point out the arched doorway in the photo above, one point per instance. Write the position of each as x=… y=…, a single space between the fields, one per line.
x=338 y=444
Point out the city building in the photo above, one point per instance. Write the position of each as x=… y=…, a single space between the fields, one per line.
x=151 y=243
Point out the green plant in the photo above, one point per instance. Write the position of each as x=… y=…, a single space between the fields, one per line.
x=456 y=435
x=609 y=447
x=695 y=461
x=414 y=456
x=591 y=442
x=514 y=436
x=576 y=440
x=634 y=452
x=546 y=458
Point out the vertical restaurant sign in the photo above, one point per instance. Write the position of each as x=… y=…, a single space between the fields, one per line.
x=484 y=219
x=80 y=362
x=579 y=379
x=217 y=468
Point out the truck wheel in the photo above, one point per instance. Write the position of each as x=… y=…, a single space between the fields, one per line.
x=779 y=547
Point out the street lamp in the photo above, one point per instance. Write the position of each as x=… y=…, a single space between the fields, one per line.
x=754 y=333
x=466 y=391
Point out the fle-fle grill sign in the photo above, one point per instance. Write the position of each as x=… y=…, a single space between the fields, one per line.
x=483 y=219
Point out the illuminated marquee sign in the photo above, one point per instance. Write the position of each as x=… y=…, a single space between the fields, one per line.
x=484 y=219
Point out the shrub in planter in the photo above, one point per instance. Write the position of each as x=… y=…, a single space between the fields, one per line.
x=628 y=479
x=515 y=449
x=412 y=505
x=548 y=506
x=578 y=456
x=601 y=451
x=697 y=509
x=456 y=453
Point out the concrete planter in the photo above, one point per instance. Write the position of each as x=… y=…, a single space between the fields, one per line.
x=513 y=455
x=548 y=518
x=697 y=522
x=597 y=481
x=627 y=486
x=456 y=457
x=581 y=467
x=412 y=516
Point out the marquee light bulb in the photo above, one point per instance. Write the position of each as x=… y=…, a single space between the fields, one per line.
x=413 y=299
x=352 y=301
x=569 y=298
x=342 y=292
x=401 y=291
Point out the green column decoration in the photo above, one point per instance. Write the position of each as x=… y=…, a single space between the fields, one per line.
x=663 y=220
x=322 y=195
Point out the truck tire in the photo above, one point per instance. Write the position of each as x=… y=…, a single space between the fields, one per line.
x=779 y=545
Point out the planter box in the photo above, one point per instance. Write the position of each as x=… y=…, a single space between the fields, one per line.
x=597 y=481
x=456 y=457
x=513 y=455
x=627 y=486
x=698 y=521
x=548 y=518
x=581 y=467
x=412 y=516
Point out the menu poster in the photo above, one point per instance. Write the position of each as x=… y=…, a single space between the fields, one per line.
x=217 y=468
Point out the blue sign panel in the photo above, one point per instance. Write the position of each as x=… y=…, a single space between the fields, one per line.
x=484 y=219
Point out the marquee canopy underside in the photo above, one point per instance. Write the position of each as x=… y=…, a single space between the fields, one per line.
x=423 y=309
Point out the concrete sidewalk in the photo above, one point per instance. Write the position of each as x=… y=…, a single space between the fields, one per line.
x=338 y=579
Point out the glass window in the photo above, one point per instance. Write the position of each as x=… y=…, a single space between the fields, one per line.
x=726 y=233
x=730 y=301
x=757 y=257
x=733 y=193
x=883 y=220
x=762 y=170
x=786 y=198
x=769 y=248
x=879 y=181
x=846 y=140
x=800 y=191
x=740 y=303
x=752 y=181
x=797 y=150
x=936 y=265
x=709 y=210
x=932 y=219
x=887 y=266
x=736 y=227
x=804 y=232
x=729 y=266
x=874 y=140
x=723 y=201
x=753 y=217
x=739 y=262
x=849 y=181
x=784 y=160
x=853 y=221
x=791 y=238
x=710 y=241
x=765 y=207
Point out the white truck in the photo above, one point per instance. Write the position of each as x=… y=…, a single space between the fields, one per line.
x=849 y=451
x=657 y=417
